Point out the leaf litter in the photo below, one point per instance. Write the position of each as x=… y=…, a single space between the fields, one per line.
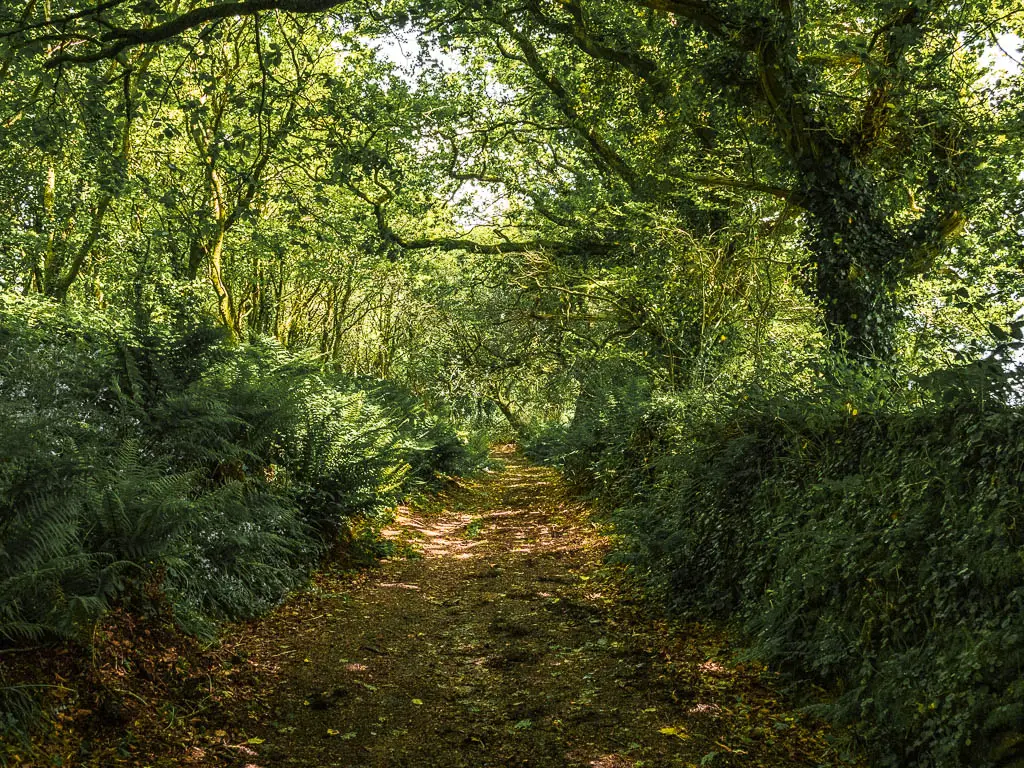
x=506 y=640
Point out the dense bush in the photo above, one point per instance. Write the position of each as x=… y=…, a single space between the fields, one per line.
x=154 y=458
x=876 y=550
x=432 y=446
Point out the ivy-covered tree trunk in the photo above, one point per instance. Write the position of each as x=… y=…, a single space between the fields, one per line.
x=858 y=259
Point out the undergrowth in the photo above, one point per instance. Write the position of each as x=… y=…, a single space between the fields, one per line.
x=152 y=459
x=867 y=541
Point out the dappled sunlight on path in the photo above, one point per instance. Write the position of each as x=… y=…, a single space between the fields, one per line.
x=504 y=641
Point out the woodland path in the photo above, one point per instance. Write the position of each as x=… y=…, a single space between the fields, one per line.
x=502 y=641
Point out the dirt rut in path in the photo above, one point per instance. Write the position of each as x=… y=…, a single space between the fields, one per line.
x=506 y=642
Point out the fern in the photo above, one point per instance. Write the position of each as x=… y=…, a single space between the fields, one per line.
x=141 y=510
x=132 y=457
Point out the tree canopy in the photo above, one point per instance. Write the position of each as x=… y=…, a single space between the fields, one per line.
x=674 y=246
x=849 y=164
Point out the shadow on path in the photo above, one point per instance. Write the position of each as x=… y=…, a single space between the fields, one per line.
x=506 y=642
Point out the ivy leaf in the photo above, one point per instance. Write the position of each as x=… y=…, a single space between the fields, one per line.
x=998 y=333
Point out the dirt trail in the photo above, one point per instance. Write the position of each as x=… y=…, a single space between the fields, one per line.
x=506 y=642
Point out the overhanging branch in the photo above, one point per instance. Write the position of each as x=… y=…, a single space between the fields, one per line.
x=118 y=40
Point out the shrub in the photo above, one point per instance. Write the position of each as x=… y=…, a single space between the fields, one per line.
x=161 y=460
x=879 y=553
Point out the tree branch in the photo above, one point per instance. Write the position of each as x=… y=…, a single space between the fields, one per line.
x=698 y=12
x=118 y=40
x=600 y=147
x=634 y=63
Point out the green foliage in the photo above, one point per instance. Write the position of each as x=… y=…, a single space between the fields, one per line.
x=164 y=462
x=870 y=545
x=430 y=444
x=615 y=231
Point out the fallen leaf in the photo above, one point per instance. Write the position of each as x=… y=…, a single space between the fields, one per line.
x=674 y=730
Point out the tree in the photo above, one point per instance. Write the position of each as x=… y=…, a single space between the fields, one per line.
x=859 y=142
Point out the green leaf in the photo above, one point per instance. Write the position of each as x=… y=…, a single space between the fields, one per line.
x=998 y=333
